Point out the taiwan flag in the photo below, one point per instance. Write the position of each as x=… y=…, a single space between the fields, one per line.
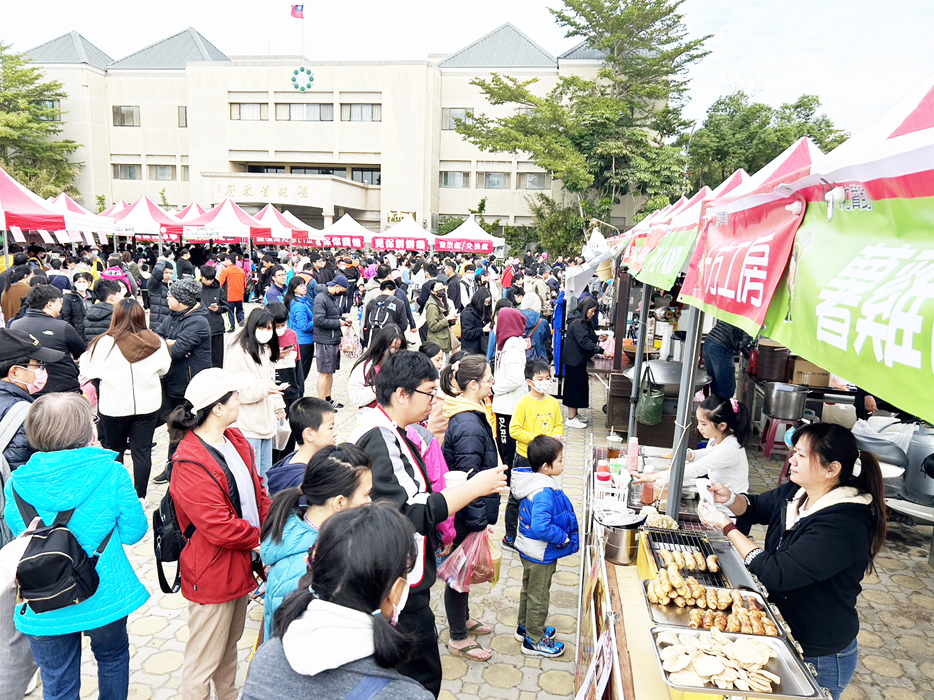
x=298 y=11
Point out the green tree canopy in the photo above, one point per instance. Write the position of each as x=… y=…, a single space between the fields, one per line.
x=30 y=118
x=740 y=133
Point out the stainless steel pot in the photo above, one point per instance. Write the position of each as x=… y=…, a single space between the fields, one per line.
x=667 y=375
x=622 y=544
x=785 y=401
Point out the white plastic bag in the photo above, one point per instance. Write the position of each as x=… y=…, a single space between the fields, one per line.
x=283 y=433
x=899 y=434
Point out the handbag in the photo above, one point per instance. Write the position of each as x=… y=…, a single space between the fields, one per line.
x=651 y=399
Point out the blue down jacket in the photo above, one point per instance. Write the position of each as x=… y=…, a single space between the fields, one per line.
x=287 y=564
x=102 y=494
x=547 y=524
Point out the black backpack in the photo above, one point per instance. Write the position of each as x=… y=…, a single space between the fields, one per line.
x=381 y=313
x=55 y=571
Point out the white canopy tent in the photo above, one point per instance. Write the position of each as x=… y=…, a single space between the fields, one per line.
x=469 y=237
x=406 y=235
x=346 y=232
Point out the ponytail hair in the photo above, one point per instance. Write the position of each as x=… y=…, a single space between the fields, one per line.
x=732 y=412
x=184 y=418
x=333 y=471
x=460 y=372
x=359 y=556
x=834 y=443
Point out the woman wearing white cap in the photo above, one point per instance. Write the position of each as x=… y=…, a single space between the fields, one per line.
x=218 y=494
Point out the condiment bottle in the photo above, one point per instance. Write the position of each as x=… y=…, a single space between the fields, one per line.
x=648 y=489
x=633 y=454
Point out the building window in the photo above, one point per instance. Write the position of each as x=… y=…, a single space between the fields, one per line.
x=361 y=113
x=126 y=172
x=266 y=169
x=184 y=177
x=449 y=117
x=533 y=181
x=305 y=112
x=183 y=117
x=126 y=116
x=162 y=172
x=53 y=106
x=494 y=181
x=368 y=176
x=455 y=179
x=334 y=172
x=249 y=111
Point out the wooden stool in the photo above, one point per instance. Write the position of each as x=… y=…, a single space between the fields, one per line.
x=775 y=429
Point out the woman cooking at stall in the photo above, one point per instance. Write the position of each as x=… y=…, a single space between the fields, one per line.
x=825 y=528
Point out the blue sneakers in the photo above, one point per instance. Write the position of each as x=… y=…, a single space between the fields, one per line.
x=545 y=647
x=521 y=634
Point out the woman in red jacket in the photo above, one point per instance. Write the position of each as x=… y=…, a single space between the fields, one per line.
x=216 y=488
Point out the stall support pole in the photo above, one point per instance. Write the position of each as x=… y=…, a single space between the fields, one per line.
x=640 y=356
x=685 y=407
x=621 y=316
x=6 y=246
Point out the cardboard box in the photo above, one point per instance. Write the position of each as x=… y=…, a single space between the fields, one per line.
x=808 y=374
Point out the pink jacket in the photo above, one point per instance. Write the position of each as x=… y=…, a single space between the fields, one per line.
x=431 y=452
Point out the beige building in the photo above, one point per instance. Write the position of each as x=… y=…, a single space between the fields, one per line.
x=374 y=139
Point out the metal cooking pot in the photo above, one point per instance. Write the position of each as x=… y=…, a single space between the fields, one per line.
x=785 y=401
x=667 y=375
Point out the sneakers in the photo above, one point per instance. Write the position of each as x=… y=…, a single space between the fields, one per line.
x=575 y=423
x=162 y=478
x=337 y=406
x=521 y=633
x=511 y=544
x=545 y=647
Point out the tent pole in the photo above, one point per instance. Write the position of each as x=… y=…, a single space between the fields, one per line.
x=685 y=406
x=160 y=241
x=6 y=246
x=640 y=356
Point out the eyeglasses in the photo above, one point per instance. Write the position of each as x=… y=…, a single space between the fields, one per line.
x=433 y=394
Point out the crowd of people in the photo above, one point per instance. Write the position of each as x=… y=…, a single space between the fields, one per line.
x=453 y=367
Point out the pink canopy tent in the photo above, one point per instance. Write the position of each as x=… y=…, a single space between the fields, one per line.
x=284 y=231
x=114 y=208
x=190 y=212
x=21 y=209
x=145 y=220
x=78 y=219
x=226 y=222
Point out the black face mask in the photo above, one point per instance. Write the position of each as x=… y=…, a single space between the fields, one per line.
x=440 y=295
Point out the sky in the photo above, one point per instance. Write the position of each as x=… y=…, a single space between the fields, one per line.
x=856 y=56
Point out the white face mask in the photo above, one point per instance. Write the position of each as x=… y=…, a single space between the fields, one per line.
x=400 y=606
x=281 y=330
x=81 y=286
x=543 y=386
x=263 y=335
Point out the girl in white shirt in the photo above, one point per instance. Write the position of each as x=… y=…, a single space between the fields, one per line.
x=726 y=425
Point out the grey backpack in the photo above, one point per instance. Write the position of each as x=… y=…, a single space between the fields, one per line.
x=11 y=423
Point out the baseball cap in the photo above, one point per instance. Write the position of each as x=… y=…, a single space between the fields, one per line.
x=339 y=281
x=208 y=385
x=15 y=344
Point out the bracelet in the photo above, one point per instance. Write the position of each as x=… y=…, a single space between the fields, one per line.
x=728 y=528
x=731 y=501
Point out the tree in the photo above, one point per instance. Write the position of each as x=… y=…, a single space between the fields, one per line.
x=101 y=203
x=163 y=200
x=740 y=133
x=602 y=138
x=30 y=118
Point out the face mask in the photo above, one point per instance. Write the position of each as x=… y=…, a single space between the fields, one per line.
x=263 y=336
x=439 y=295
x=400 y=606
x=280 y=331
x=81 y=286
x=41 y=376
x=542 y=387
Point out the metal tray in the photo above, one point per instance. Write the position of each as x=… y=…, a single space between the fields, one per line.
x=686 y=542
x=797 y=681
x=674 y=616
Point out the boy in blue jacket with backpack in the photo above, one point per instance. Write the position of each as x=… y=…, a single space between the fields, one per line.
x=547 y=531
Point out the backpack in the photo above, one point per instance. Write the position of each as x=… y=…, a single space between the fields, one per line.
x=11 y=423
x=532 y=353
x=381 y=313
x=118 y=275
x=55 y=571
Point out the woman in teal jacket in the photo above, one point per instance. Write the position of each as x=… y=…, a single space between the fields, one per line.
x=337 y=478
x=301 y=320
x=66 y=473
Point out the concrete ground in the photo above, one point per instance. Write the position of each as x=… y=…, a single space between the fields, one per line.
x=896 y=609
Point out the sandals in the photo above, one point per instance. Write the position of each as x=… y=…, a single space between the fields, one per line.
x=466 y=652
x=478 y=628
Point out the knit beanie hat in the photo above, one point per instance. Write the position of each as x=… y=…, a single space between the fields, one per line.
x=186 y=291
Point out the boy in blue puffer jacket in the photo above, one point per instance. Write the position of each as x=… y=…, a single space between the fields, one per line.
x=547 y=532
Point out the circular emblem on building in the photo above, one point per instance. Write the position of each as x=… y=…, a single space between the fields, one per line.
x=302 y=79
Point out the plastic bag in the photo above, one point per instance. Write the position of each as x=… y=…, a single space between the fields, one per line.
x=350 y=344
x=283 y=434
x=470 y=563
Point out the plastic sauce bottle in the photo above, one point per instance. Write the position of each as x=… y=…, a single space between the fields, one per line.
x=633 y=454
x=648 y=490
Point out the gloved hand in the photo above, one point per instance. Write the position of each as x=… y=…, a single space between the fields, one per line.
x=711 y=516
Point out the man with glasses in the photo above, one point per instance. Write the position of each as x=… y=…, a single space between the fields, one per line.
x=406 y=388
x=22 y=374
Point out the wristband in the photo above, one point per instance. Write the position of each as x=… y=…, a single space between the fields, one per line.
x=731 y=501
x=728 y=528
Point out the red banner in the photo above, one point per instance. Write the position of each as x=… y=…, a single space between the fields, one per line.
x=343 y=241
x=393 y=243
x=740 y=257
x=460 y=245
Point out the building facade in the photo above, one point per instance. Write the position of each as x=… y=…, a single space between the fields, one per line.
x=376 y=140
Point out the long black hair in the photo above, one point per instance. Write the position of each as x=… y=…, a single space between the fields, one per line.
x=587 y=303
x=294 y=284
x=732 y=412
x=379 y=350
x=459 y=372
x=478 y=302
x=183 y=418
x=333 y=471
x=359 y=556
x=834 y=443
x=247 y=338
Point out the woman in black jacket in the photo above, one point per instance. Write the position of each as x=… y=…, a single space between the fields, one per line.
x=469 y=446
x=825 y=527
x=475 y=322
x=158 y=287
x=580 y=345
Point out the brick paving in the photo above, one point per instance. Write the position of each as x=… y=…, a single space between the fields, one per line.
x=896 y=609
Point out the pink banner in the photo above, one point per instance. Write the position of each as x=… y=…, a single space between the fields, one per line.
x=393 y=243
x=343 y=241
x=459 y=245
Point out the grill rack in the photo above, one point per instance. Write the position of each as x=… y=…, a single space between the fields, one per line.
x=675 y=540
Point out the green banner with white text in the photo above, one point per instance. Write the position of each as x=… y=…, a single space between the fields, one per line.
x=664 y=263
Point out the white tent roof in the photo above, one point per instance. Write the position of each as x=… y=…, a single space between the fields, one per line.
x=77 y=218
x=143 y=217
x=407 y=228
x=345 y=227
x=314 y=234
x=470 y=230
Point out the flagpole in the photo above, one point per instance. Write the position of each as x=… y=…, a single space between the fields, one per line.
x=303 y=35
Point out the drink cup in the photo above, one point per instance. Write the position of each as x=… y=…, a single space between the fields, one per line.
x=455 y=478
x=614 y=443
